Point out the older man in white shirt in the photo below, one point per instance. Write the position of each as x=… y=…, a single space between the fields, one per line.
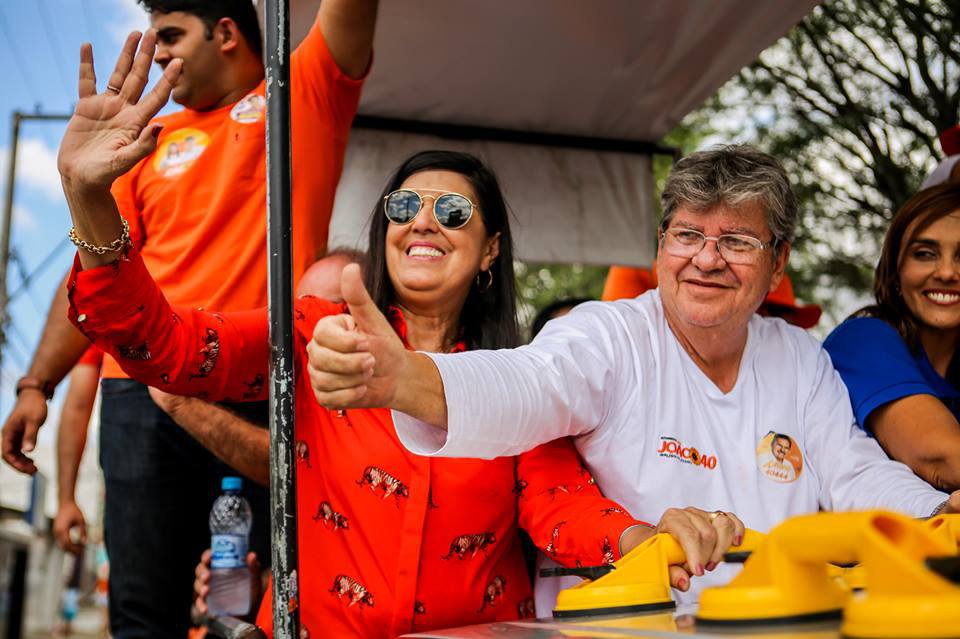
x=676 y=398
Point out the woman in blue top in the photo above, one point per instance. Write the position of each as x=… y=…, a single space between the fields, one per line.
x=897 y=356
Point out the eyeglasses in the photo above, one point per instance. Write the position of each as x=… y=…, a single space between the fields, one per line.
x=451 y=210
x=734 y=248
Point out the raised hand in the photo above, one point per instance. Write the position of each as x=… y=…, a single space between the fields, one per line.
x=356 y=360
x=108 y=133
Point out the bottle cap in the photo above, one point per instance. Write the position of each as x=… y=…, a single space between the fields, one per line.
x=231 y=483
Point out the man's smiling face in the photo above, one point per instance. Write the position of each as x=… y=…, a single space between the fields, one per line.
x=704 y=290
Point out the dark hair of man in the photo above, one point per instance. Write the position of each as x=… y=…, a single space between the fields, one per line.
x=354 y=255
x=489 y=315
x=928 y=206
x=550 y=311
x=243 y=12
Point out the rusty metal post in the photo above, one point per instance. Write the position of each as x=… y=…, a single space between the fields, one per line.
x=283 y=488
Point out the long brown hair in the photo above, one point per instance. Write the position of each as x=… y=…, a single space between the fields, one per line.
x=925 y=208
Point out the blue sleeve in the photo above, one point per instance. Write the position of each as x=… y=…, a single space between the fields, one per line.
x=875 y=364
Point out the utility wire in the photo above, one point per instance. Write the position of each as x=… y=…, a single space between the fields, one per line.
x=54 y=48
x=15 y=349
x=39 y=268
x=17 y=59
x=88 y=19
x=22 y=270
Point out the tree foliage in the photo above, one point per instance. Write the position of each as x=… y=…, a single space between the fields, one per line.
x=540 y=284
x=851 y=100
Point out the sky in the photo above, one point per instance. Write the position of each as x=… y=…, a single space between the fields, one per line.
x=39 y=50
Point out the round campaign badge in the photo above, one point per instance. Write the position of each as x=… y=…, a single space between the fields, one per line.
x=779 y=457
x=249 y=110
x=178 y=151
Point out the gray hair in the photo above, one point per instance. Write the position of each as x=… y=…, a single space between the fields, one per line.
x=734 y=175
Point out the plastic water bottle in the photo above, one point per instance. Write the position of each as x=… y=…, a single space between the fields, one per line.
x=230 y=519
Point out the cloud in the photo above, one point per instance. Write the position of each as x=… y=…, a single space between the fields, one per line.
x=127 y=16
x=36 y=167
x=24 y=220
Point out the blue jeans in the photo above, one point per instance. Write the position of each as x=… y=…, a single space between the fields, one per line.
x=160 y=485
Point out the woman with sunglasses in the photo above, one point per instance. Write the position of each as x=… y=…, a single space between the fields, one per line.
x=897 y=356
x=389 y=542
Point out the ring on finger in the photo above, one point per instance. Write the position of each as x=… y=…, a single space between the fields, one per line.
x=112 y=89
x=715 y=514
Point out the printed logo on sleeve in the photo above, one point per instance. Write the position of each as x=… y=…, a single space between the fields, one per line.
x=178 y=151
x=249 y=110
x=673 y=448
x=779 y=457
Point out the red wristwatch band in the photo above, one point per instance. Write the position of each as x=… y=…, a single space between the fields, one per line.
x=32 y=382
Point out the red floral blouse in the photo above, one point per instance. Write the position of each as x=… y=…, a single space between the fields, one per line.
x=390 y=542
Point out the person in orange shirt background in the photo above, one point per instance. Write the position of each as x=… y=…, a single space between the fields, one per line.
x=949 y=168
x=69 y=524
x=628 y=281
x=195 y=209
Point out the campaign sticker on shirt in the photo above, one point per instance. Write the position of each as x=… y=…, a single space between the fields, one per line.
x=178 y=151
x=673 y=448
x=249 y=110
x=779 y=457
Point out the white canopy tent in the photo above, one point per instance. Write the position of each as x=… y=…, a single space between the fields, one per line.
x=564 y=98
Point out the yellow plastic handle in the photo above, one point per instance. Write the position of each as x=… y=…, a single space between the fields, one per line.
x=675 y=555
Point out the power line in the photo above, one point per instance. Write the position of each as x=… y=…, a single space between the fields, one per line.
x=88 y=19
x=15 y=349
x=18 y=60
x=55 y=50
x=39 y=268
x=22 y=270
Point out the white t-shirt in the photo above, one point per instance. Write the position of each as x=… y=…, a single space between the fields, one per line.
x=656 y=432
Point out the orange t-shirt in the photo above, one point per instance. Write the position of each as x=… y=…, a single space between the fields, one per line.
x=627 y=281
x=197 y=205
x=390 y=542
x=93 y=356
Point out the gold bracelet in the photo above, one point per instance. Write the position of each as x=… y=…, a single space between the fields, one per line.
x=113 y=247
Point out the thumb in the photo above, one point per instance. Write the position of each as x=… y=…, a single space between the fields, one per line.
x=140 y=148
x=365 y=313
x=30 y=436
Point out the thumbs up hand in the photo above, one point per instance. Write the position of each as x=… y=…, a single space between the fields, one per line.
x=355 y=360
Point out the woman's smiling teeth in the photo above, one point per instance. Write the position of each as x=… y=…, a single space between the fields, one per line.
x=424 y=251
x=942 y=297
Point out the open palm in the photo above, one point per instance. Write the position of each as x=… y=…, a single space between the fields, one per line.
x=108 y=133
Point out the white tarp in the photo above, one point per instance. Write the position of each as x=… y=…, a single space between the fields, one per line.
x=560 y=199
x=623 y=69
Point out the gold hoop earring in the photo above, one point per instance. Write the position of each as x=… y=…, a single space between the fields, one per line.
x=484 y=288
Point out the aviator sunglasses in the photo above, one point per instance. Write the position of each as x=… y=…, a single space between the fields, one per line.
x=451 y=210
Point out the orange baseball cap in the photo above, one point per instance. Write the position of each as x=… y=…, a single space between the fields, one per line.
x=950 y=141
x=625 y=281
x=804 y=316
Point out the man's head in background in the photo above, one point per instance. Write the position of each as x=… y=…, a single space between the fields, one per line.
x=219 y=42
x=556 y=309
x=949 y=169
x=322 y=278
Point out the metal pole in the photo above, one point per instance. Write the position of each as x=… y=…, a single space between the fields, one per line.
x=7 y=217
x=283 y=488
x=5 y=224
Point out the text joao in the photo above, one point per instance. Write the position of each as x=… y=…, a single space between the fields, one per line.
x=672 y=447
